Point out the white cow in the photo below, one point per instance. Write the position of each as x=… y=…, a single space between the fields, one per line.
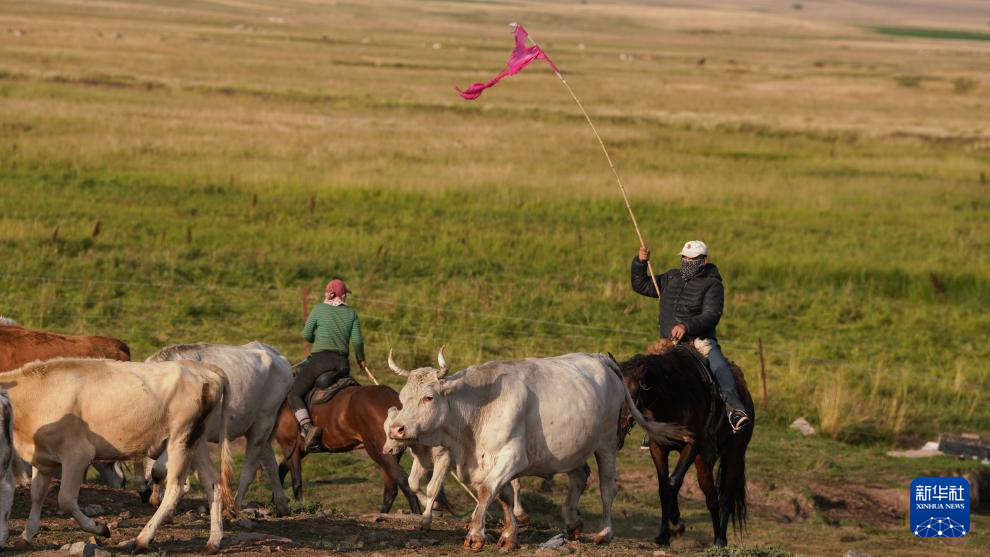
x=435 y=460
x=70 y=412
x=502 y=420
x=8 y=457
x=259 y=381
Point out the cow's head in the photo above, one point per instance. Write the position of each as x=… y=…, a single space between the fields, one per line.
x=392 y=446
x=424 y=404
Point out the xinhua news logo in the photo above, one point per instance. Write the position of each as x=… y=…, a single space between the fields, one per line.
x=940 y=507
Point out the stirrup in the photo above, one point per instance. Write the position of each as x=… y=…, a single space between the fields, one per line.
x=737 y=419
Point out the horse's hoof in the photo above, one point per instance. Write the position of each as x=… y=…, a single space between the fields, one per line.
x=663 y=540
x=474 y=543
x=104 y=530
x=677 y=528
x=522 y=520
x=720 y=542
x=603 y=538
x=282 y=509
x=425 y=524
x=145 y=495
x=211 y=549
x=21 y=543
x=575 y=532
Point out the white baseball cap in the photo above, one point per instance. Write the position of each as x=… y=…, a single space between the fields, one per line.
x=694 y=248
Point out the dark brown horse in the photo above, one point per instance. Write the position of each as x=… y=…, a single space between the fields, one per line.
x=669 y=385
x=352 y=419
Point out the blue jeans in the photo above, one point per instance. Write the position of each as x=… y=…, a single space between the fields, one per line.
x=723 y=374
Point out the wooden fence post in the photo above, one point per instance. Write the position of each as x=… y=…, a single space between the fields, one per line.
x=763 y=373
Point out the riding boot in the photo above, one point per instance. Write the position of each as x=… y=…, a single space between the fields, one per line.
x=738 y=418
x=312 y=437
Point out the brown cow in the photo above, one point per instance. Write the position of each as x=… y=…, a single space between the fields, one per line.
x=19 y=346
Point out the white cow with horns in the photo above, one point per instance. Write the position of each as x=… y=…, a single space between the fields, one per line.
x=502 y=420
x=73 y=411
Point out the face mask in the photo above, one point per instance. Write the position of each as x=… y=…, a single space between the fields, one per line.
x=691 y=267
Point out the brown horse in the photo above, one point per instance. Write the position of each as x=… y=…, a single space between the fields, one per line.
x=669 y=385
x=351 y=420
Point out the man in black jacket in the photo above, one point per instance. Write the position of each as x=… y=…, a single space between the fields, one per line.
x=690 y=308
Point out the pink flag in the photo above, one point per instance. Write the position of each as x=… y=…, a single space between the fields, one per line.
x=521 y=57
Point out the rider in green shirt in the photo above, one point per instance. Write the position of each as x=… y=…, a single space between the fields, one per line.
x=332 y=327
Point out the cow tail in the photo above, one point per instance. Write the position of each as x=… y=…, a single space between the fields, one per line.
x=663 y=433
x=226 y=458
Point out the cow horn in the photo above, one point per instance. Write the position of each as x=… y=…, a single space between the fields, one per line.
x=394 y=367
x=444 y=368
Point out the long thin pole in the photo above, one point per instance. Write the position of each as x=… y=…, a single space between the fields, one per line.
x=371 y=375
x=610 y=165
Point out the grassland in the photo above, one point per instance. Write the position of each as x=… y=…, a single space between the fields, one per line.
x=237 y=152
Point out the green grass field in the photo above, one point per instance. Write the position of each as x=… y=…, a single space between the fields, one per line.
x=235 y=153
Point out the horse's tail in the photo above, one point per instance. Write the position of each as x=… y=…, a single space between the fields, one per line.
x=663 y=433
x=731 y=484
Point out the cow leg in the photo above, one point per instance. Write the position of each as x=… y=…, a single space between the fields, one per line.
x=416 y=473
x=73 y=464
x=7 y=488
x=577 y=481
x=506 y=496
x=508 y=462
x=707 y=483
x=39 y=488
x=517 y=508
x=180 y=458
x=255 y=439
x=607 y=477
x=110 y=474
x=267 y=457
x=210 y=480
x=441 y=464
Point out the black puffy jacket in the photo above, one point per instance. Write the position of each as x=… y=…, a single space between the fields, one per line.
x=696 y=302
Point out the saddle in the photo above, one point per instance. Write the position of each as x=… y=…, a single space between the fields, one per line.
x=323 y=391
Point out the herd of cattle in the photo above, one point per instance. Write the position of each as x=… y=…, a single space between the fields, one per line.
x=72 y=402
